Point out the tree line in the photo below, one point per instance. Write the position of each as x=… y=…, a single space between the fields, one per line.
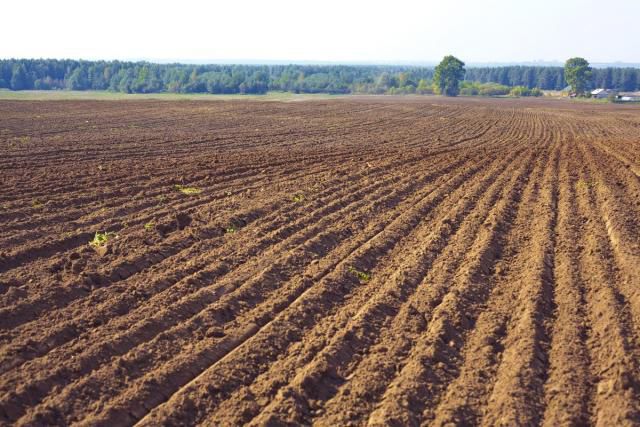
x=144 y=77
x=553 y=78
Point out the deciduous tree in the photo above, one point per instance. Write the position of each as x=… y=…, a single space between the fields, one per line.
x=448 y=75
x=577 y=73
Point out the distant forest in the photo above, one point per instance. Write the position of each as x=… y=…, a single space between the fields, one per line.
x=552 y=78
x=144 y=77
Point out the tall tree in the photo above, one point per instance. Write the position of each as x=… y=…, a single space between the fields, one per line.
x=607 y=79
x=19 y=77
x=448 y=74
x=577 y=73
x=78 y=79
x=629 y=79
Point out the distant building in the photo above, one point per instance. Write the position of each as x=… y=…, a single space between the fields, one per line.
x=602 y=93
x=629 y=97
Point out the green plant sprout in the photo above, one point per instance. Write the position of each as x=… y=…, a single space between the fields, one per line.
x=100 y=239
x=361 y=275
x=188 y=190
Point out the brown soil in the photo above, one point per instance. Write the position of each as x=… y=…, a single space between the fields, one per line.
x=382 y=261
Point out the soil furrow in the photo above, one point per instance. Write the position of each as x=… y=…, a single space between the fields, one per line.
x=383 y=260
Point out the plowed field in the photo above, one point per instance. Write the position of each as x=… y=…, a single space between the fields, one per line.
x=386 y=261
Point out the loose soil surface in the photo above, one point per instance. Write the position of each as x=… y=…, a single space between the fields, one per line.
x=382 y=261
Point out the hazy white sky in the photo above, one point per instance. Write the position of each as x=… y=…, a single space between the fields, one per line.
x=325 y=30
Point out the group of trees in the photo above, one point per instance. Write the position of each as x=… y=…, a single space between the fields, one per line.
x=581 y=77
x=553 y=78
x=577 y=73
x=547 y=78
x=495 y=89
x=144 y=77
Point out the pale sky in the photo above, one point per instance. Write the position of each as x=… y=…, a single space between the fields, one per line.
x=324 y=30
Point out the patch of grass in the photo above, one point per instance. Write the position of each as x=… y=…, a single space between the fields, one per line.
x=363 y=276
x=188 y=190
x=230 y=229
x=101 y=239
x=149 y=226
x=298 y=198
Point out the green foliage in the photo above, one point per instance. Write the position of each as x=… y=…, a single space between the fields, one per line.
x=424 y=87
x=469 y=88
x=549 y=78
x=448 y=75
x=149 y=226
x=519 y=91
x=100 y=239
x=361 y=275
x=188 y=190
x=524 y=91
x=483 y=89
x=77 y=80
x=493 y=89
x=145 y=77
x=19 y=79
x=230 y=229
x=535 y=92
x=578 y=74
x=298 y=198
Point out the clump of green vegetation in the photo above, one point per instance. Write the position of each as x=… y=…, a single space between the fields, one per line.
x=524 y=91
x=231 y=229
x=149 y=226
x=100 y=239
x=37 y=204
x=483 y=89
x=188 y=190
x=298 y=198
x=361 y=275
